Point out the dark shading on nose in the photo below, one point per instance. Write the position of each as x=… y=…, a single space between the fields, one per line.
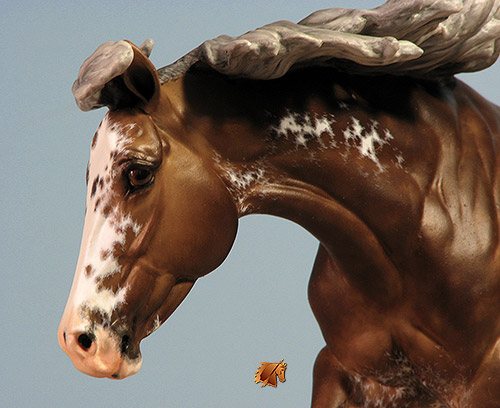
x=125 y=343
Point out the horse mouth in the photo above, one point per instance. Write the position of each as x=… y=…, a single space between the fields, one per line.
x=101 y=353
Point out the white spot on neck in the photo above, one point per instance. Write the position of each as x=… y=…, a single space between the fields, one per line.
x=305 y=129
x=240 y=179
x=313 y=134
x=367 y=140
x=343 y=105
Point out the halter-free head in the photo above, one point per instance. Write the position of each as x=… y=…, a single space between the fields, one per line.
x=158 y=217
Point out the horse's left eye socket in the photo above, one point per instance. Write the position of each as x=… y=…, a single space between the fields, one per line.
x=140 y=177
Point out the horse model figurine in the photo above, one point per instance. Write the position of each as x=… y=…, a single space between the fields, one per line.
x=350 y=123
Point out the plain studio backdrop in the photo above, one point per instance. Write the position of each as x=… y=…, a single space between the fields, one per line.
x=253 y=308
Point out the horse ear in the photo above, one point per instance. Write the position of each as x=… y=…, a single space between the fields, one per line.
x=118 y=75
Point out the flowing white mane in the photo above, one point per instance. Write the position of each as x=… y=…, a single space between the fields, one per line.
x=421 y=38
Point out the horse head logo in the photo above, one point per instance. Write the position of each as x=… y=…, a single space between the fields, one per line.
x=267 y=373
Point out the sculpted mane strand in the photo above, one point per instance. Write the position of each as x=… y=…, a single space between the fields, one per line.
x=421 y=38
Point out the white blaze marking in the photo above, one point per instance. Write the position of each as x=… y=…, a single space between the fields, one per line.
x=105 y=228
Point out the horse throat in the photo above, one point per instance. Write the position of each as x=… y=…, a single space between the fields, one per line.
x=350 y=242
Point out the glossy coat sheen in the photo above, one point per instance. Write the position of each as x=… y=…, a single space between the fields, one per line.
x=396 y=177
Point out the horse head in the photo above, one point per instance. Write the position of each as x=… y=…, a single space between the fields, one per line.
x=280 y=371
x=157 y=216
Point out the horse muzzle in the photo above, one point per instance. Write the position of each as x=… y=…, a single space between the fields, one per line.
x=100 y=353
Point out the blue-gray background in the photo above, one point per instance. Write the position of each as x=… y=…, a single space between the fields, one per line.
x=253 y=308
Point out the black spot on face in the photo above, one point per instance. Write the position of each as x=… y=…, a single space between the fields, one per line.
x=95 y=183
x=125 y=344
x=97 y=203
x=94 y=140
x=106 y=210
x=111 y=282
x=89 y=270
x=105 y=254
x=96 y=317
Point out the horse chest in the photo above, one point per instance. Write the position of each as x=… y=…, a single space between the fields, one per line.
x=456 y=261
x=432 y=341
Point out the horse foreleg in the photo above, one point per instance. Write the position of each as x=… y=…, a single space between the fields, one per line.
x=486 y=384
x=332 y=386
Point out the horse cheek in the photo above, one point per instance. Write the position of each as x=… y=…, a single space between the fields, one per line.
x=199 y=224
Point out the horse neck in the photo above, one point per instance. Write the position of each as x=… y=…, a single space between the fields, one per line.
x=342 y=157
x=302 y=147
x=286 y=170
x=278 y=185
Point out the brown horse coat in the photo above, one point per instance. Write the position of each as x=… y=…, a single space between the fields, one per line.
x=397 y=177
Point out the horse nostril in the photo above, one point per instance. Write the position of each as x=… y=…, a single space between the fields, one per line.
x=85 y=341
x=125 y=343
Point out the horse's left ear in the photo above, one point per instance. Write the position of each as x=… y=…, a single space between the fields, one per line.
x=118 y=75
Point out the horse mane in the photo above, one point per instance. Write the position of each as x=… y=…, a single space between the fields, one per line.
x=419 y=38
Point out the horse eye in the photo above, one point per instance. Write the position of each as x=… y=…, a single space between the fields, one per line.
x=140 y=177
